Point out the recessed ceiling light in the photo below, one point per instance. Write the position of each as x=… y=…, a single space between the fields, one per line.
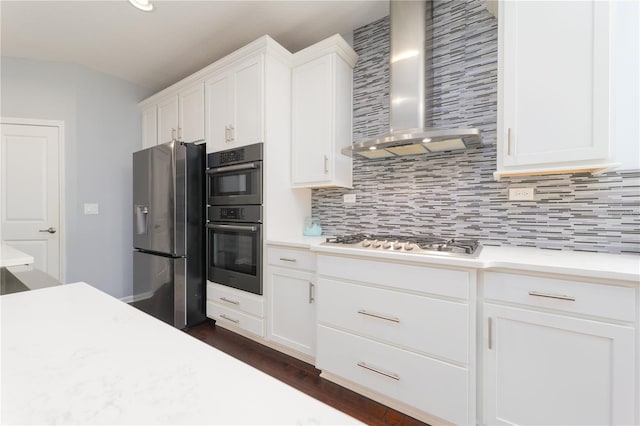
x=142 y=5
x=372 y=148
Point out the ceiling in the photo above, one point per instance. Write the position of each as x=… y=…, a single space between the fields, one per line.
x=156 y=49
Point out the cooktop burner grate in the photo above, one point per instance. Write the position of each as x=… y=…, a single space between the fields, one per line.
x=409 y=244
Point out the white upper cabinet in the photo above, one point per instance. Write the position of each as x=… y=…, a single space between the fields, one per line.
x=191 y=114
x=149 y=126
x=322 y=81
x=179 y=116
x=168 y=119
x=235 y=105
x=554 y=96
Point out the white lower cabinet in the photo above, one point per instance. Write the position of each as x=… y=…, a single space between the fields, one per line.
x=545 y=365
x=425 y=383
x=293 y=309
x=235 y=309
x=395 y=333
x=292 y=300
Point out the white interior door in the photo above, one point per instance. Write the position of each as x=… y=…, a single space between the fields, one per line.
x=30 y=209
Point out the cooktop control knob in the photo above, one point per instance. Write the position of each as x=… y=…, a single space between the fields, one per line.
x=366 y=243
x=387 y=245
x=409 y=246
x=397 y=246
x=377 y=244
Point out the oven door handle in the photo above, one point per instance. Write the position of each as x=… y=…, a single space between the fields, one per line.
x=247 y=166
x=233 y=227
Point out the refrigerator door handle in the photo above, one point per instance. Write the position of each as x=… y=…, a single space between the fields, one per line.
x=142 y=216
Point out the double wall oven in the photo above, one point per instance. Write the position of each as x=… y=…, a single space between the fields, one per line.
x=234 y=226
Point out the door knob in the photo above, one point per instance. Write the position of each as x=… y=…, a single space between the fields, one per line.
x=50 y=230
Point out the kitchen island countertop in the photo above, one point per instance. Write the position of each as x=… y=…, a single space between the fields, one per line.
x=74 y=355
x=10 y=256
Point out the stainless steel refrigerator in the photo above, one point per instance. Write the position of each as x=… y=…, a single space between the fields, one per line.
x=169 y=272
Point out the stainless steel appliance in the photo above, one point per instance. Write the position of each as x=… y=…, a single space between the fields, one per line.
x=168 y=238
x=411 y=76
x=235 y=247
x=410 y=244
x=235 y=176
x=234 y=227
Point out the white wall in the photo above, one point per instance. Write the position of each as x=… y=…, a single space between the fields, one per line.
x=102 y=124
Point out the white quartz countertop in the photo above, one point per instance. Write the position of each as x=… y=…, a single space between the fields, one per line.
x=605 y=266
x=10 y=256
x=74 y=355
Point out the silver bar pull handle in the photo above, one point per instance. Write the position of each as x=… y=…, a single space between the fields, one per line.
x=326 y=164
x=379 y=371
x=229 y=319
x=179 y=133
x=233 y=168
x=286 y=259
x=173 y=134
x=50 y=230
x=232 y=133
x=226 y=134
x=234 y=302
x=508 y=140
x=381 y=316
x=233 y=227
x=490 y=333
x=311 y=299
x=552 y=296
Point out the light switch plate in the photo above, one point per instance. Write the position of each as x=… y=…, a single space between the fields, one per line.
x=91 y=208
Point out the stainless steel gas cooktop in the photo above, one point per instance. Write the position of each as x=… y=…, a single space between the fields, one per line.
x=410 y=244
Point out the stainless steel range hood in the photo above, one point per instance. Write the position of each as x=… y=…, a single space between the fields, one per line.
x=408 y=135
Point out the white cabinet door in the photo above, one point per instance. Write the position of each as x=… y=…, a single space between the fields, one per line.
x=235 y=106
x=312 y=121
x=191 y=114
x=544 y=369
x=219 y=112
x=321 y=105
x=247 y=127
x=554 y=68
x=149 y=127
x=168 y=119
x=293 y=309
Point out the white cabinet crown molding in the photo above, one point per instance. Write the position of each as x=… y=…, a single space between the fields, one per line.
x=263 y=44
x=334 y=44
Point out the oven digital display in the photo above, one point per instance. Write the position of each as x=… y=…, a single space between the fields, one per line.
x=231 y=213
x=231 y=156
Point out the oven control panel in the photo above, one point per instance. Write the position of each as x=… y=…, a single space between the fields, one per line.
x=248 y=213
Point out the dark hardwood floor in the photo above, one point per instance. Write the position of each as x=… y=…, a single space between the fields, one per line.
x=300 y=375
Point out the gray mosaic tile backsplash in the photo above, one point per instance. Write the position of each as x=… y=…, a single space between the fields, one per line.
x=454 y=194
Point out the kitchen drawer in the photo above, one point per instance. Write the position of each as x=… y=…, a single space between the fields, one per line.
x=291 y=258
x=235 y=299
x=434 y=326
x=227 y=316
x=432 y=386
x=424 y=279
x=570 y=296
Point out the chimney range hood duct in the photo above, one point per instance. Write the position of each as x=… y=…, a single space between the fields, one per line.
x=408 y=135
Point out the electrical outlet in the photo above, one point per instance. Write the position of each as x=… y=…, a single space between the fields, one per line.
x=521 y=194
x=349 y=198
